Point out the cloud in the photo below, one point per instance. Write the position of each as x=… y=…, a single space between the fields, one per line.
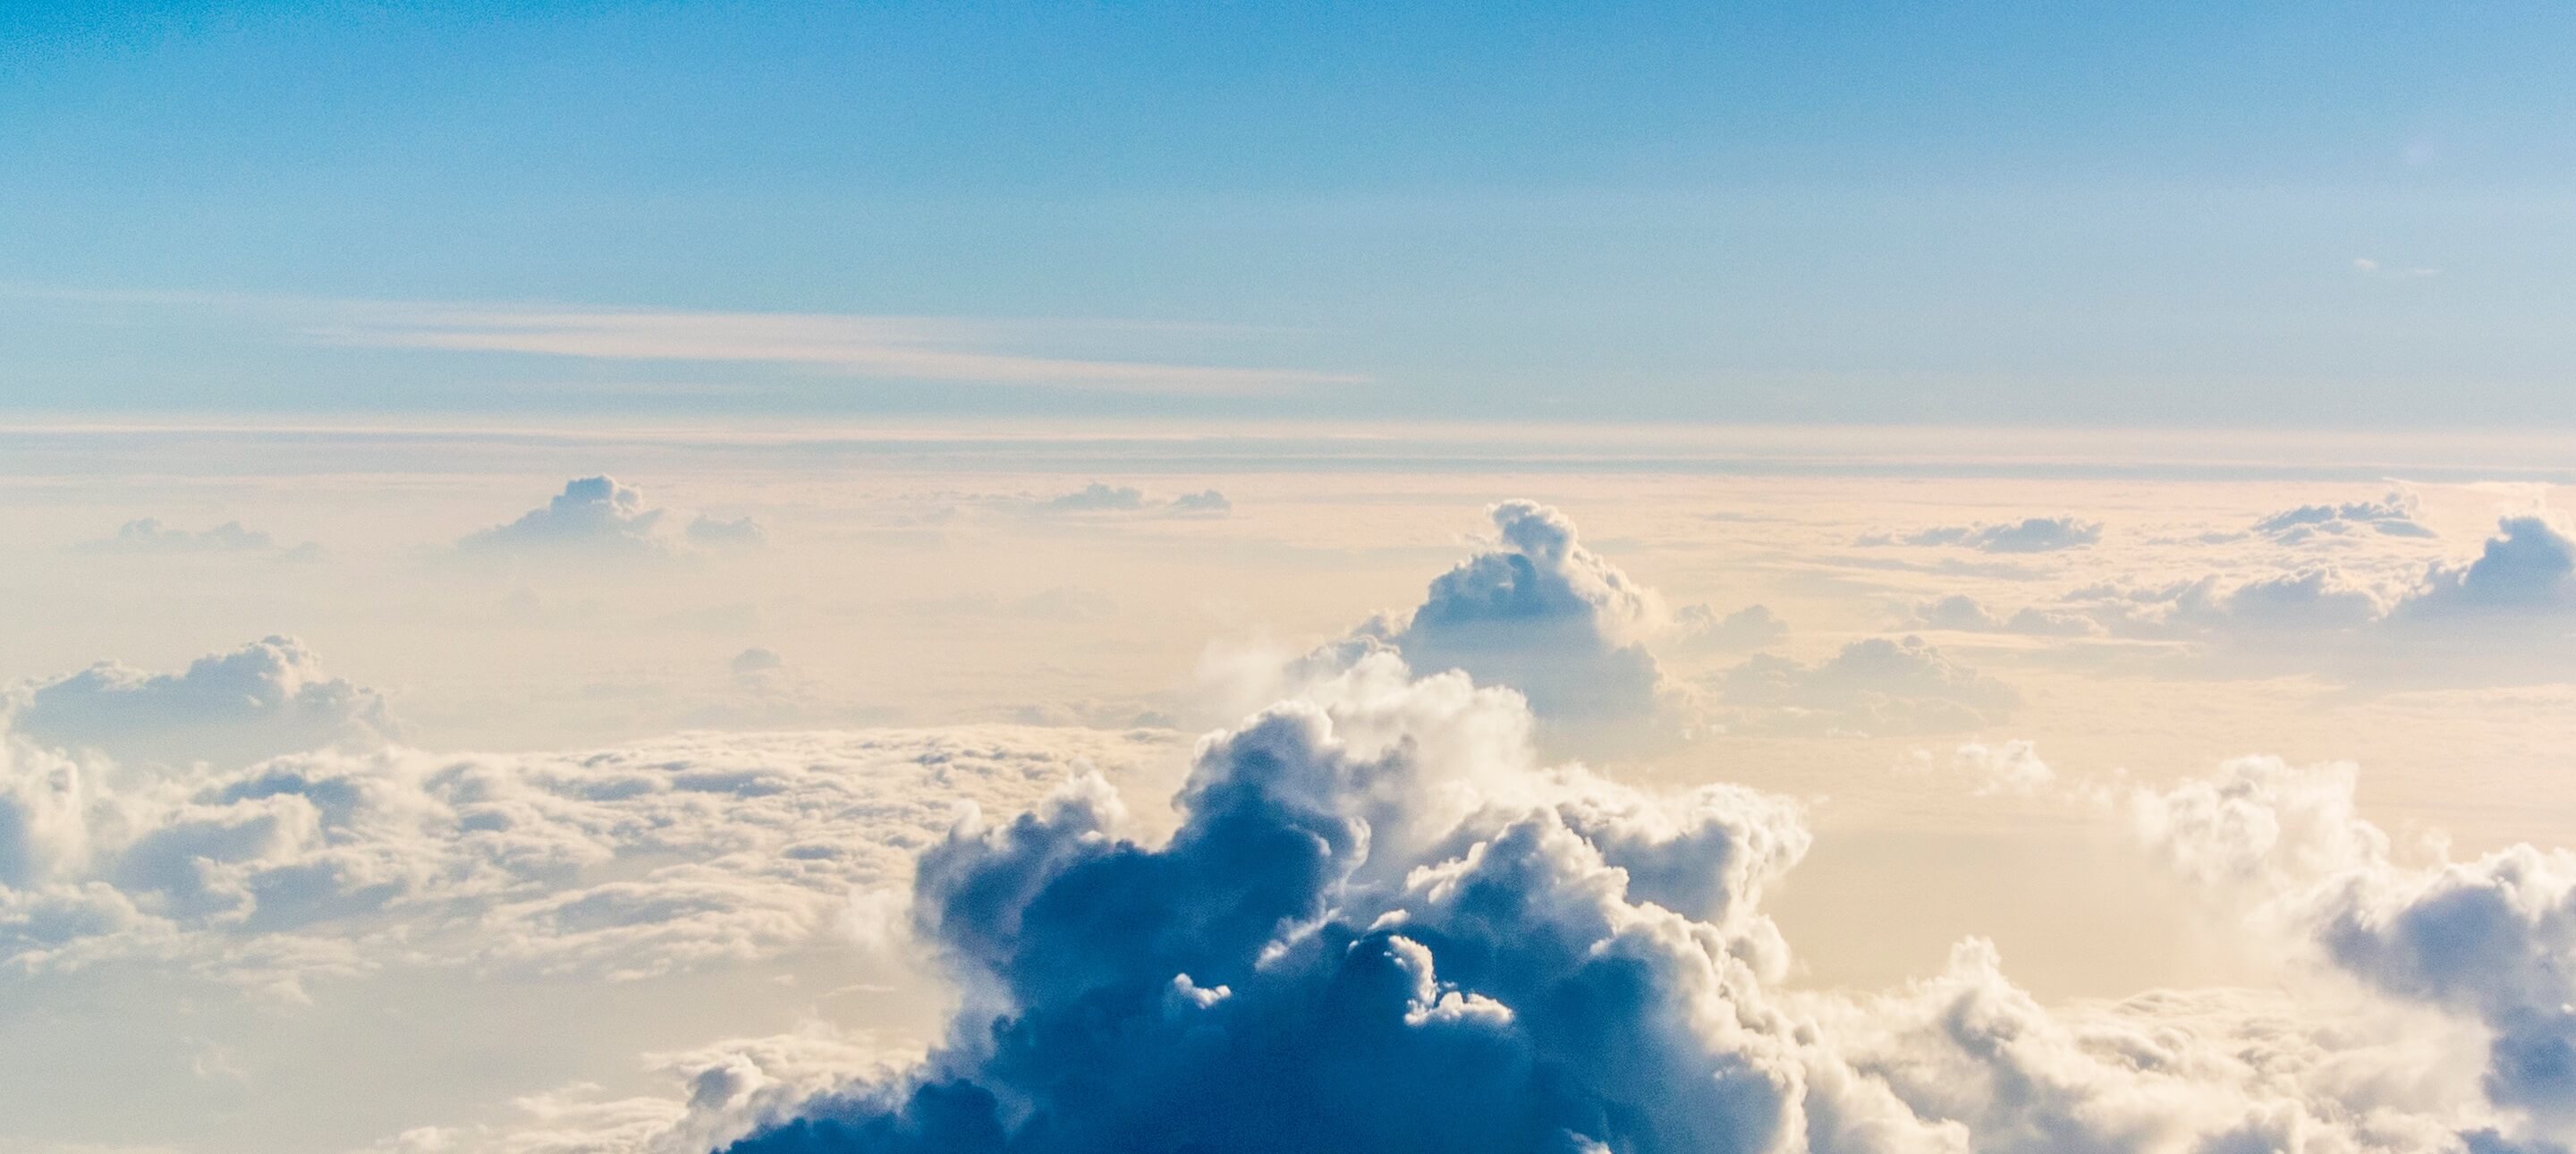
x=718 y=533
x=266 y=698
x=2495 y=616
x=149 y=535
x=2033 y=535
x=2368 y=267
x=1962 y=613
x=600 y=519
x=1382 y=925
x=1752 y=627
x=1874 y=686
x=593 y=516
x=1204 y=503
x=946 y=349
x=692 y=851
x=2491 y=937
x=755 y=662
x=2527 y=570
x=1537 y=611
x=2392 y=516
x=2010 y=768
x=1099 y=497
x=722 y=1092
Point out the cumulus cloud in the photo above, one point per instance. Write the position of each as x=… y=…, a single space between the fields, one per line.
x=2528 y=569
x=593 y=516
x=2009 y=768
x=1383 y=925
x=601 y=519
x=1537 y=611
x=1752 y=627
x=2031 y=535
x=1875 y=686
x=268 y=697
x=1962 y=613
x=722 y=1092
x=1100 y=497
x=2491 y=937
x=719 y=533
x=2390 y=516
x=1097 y=497
x=150 y=535
x=2487 y=617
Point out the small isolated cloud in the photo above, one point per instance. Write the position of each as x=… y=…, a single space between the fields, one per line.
x=2391 y=516
x=2033 y=535
x=2010 y=768
x=1537 y=611
x=1100 y=497
x=756 y=661
x=263 y=699
x=149 y=535
x=1097 y=497
x=1700 y=627
x=1873 y=687
x=2371 y=268
x=594 y=516
x=599 y=519
x=1962 y=613
x=719 y=533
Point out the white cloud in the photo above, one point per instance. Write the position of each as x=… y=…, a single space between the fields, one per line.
x=2031 y=535
x=2393 y=516
x=1875 y=686
x=593 y=516
x=269 y=697
x=697 y=849
x=1103 y=498
x=2490 y=937
x=1537 y=611
x=150 y=535
x=948 y=349
x=1752 y=627
x=1383 y=926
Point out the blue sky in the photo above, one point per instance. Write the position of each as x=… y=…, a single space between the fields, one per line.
x=2277 y=215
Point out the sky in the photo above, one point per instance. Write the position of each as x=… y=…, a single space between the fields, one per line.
x=2203 y=215
x=1269 y=579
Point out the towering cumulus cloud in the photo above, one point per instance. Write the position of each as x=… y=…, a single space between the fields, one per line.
x=1379 y=927
x=1383 y=926
x=1542 y=614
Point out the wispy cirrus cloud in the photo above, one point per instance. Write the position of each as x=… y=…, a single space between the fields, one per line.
x=1089 y=354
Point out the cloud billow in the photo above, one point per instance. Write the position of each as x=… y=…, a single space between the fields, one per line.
x=2030 y=535
x=269 y=697
x=600 y=519
x=1322 y=959
x=1539 y=612
x=1383 y=926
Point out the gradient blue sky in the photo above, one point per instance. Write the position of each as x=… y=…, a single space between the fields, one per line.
x=2197 y=214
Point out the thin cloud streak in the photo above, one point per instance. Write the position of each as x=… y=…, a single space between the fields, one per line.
x=964 y=350
x=912 y=348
